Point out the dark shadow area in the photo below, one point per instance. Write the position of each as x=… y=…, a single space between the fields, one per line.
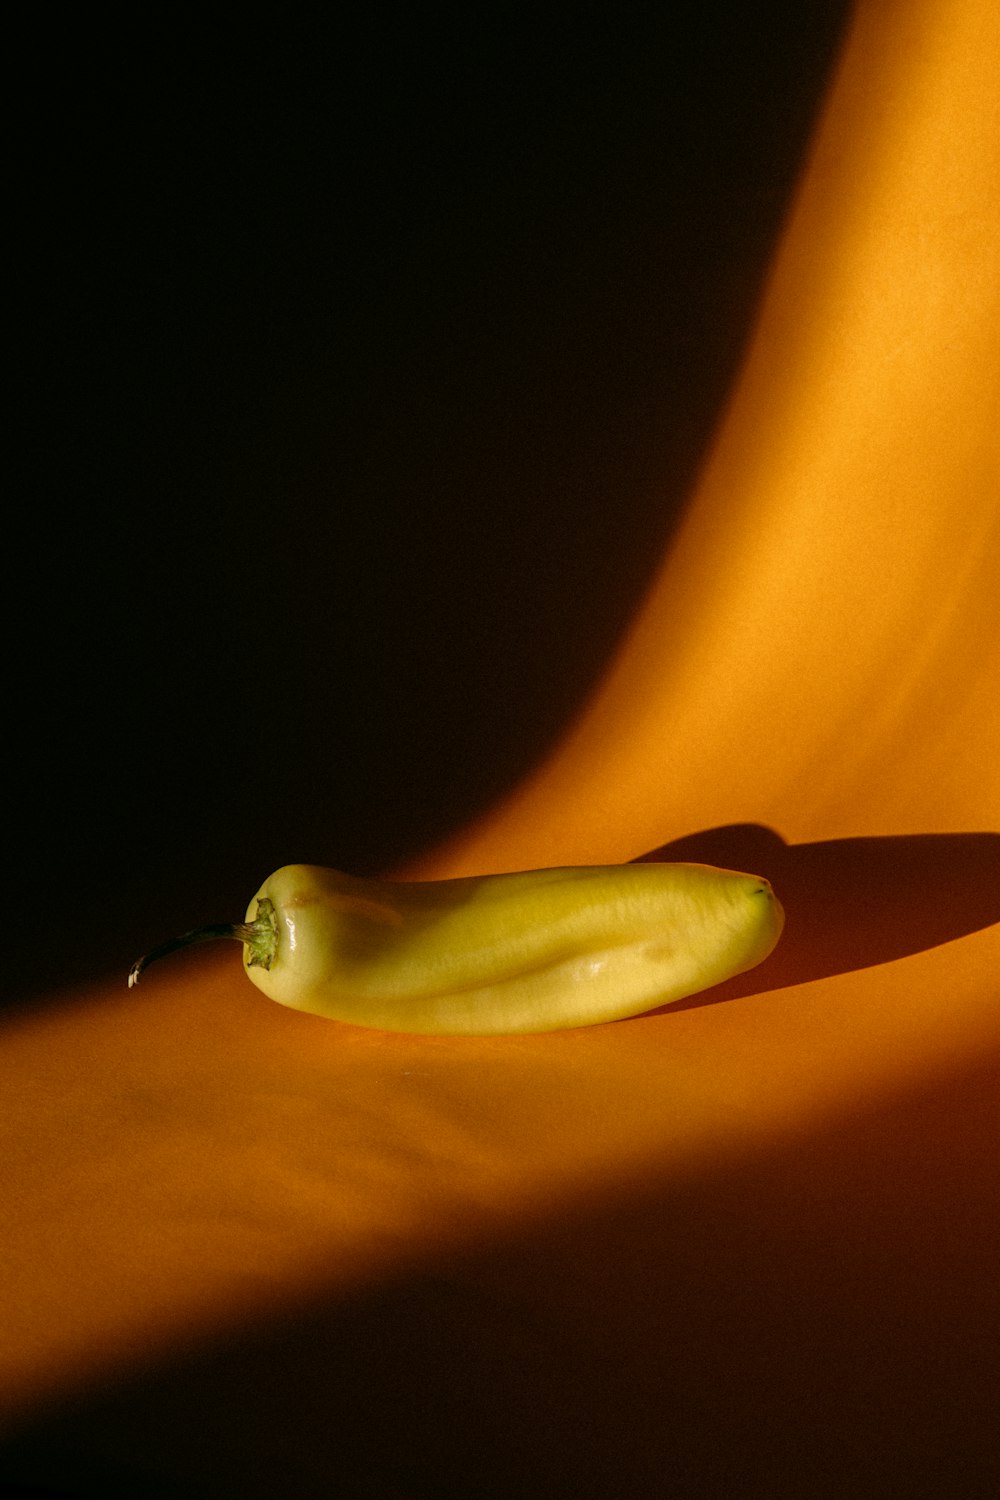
x=852 y=903
x=365 y=363
x=816 y=1319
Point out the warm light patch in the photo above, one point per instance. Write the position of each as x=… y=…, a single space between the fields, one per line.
x=827 y=606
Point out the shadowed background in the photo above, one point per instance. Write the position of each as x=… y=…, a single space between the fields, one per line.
x=363 y=370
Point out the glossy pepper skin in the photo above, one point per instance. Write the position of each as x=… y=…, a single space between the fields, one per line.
x=536 y=951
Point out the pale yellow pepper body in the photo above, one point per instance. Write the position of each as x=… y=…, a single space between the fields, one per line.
x=535 y=951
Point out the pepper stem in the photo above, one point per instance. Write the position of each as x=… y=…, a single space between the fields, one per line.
x=260 y=936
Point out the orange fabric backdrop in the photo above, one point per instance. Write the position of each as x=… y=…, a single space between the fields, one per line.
x=747 y=1246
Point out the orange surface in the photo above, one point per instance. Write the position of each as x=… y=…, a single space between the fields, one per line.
x=747 y=1246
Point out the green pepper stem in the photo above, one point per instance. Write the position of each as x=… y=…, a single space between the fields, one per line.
x=260 y=936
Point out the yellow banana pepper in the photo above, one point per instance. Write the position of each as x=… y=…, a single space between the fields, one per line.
x=539 y=950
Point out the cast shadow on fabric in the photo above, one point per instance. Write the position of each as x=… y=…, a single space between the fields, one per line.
x=852 y=903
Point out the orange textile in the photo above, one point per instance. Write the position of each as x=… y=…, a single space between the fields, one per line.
x=743 y=1246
